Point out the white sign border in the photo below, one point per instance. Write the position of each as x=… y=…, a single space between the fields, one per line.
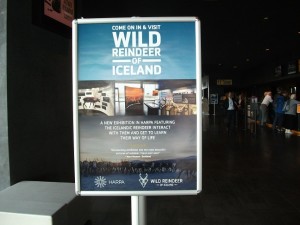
x=78 y=190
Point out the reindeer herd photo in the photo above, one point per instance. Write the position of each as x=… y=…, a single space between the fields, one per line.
x=138 y=175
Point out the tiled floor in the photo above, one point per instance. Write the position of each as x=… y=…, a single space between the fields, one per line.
x=248 y=179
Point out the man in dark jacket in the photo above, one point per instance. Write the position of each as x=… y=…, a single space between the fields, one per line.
x=230 y=106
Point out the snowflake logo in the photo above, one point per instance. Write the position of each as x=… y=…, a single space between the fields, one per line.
x=100 y=182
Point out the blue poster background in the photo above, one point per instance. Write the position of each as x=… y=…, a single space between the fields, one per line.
x=176 y=51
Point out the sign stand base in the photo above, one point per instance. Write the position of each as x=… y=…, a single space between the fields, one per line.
x=138 y=210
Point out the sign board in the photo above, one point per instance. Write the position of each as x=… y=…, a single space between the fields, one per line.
x=292 y=67
x=224 y=82
x=213 y=98
x=62 y=11
x=278 y=71
x=136 y=106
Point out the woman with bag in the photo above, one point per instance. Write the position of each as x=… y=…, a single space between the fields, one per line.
x=291 y=114
x=264 y=107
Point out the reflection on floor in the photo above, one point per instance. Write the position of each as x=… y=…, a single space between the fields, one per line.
x=246 y=180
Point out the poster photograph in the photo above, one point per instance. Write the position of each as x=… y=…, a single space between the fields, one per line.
x=137 y=106
x=62 y=11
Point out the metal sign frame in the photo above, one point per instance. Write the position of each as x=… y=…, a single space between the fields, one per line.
x=133 y=154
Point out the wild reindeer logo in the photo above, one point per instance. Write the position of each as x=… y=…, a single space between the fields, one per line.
x=143 y=181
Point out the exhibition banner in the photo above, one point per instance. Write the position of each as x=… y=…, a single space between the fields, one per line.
x=137 y=106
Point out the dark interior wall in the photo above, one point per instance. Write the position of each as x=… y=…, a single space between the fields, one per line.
x=264 y=78
x=256 y=81
x=39 y=91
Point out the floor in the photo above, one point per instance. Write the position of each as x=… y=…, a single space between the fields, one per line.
x=247 y=179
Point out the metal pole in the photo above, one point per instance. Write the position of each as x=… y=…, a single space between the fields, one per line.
x=138 y=210
x=142 y=211
x=298 y=115
x=255 y=116
x=298 y=121
x=214 y=109
x=134 y=210
x=245 y=114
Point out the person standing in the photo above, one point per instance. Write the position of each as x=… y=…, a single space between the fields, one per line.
x=230 y=106
x=241 y=111
x=264 y=107
x=291 y=114
x=272 y=113
x=279 y=100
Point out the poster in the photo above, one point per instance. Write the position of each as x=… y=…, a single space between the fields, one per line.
x=137 y=117
x=214 y=98
x=62 y=11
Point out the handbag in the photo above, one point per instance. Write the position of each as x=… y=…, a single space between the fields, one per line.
x=286 y=106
